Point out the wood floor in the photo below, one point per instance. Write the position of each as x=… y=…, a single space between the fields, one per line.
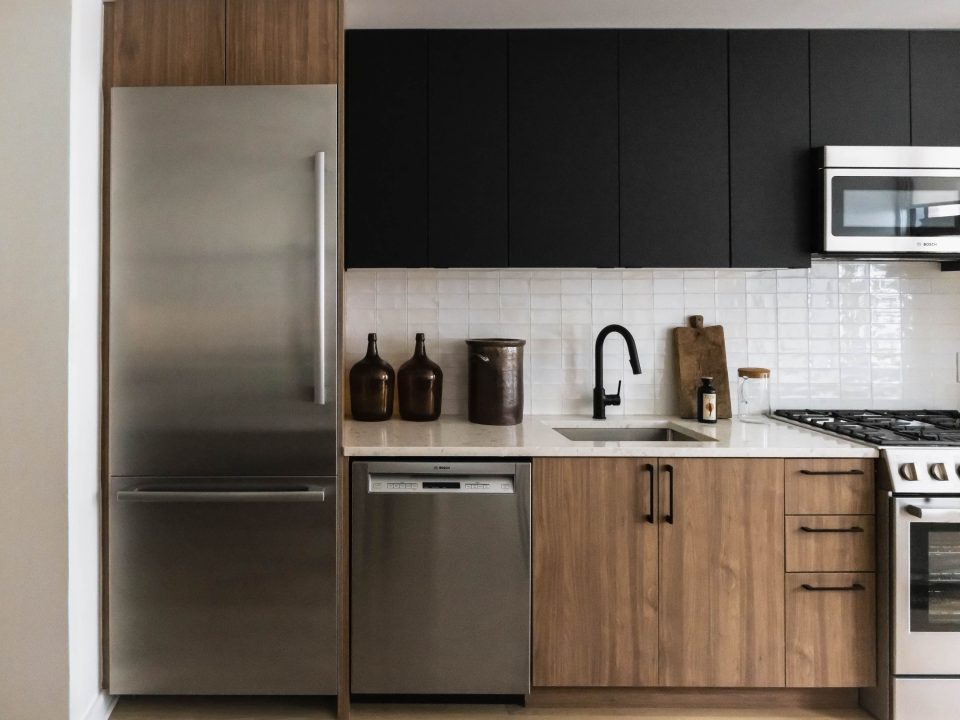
x=312 y=709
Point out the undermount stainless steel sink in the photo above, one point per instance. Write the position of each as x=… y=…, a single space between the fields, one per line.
x=628 y=434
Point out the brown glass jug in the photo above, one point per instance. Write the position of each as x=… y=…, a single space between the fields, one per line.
x=420 y=386
x=371 y=386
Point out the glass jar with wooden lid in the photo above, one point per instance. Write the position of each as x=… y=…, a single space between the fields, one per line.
x=753 y=394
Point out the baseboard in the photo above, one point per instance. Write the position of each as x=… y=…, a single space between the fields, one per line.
x=100 y=707
x=747 y=698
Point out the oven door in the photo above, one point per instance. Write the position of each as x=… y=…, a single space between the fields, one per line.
x=926 y=593
x=897 y=211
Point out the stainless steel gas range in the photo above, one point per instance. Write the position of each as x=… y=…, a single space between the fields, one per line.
x=918 y=556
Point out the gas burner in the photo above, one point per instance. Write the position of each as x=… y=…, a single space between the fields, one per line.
x=885 y=427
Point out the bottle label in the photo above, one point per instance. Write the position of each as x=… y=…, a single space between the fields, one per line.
x=709 y=406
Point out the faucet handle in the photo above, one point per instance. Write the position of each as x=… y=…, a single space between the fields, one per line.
x=615 y=398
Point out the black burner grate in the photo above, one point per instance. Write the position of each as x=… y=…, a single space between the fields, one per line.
x=885 y=427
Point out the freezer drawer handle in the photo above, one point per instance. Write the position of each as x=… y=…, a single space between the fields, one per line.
x=851 y=529
x=833 y=588
x=831 y=472
x=221 y=496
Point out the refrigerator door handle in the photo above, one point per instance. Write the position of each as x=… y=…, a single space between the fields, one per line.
x=320 y=350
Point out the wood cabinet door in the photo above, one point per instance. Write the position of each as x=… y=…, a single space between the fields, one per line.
x=935 y=87
x=563 y=148
x=674 y=159
x=831 y=630
x=468 y=148
x=721 y=573
x=771 y=176
x=859 y=87
x=282 y=42
x=595 y=572
x=167 y=42
x=386 y=149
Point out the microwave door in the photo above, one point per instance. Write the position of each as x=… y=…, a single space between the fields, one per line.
x=877 y=211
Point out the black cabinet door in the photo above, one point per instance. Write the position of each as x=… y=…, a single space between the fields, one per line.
x=674 y=179
x=935 y=87
x=386 y=148
x=563 y=148
x=771 y=178
x=468 y=148
x=859 y=87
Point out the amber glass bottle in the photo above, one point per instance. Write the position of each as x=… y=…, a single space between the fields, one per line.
x=420 y=385
x=371 y=386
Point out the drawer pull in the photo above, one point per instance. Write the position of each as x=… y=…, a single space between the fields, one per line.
x=852 y=529
x=829 y=588
x=831 y=472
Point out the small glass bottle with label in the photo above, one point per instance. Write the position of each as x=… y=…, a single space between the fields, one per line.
x=707 y=401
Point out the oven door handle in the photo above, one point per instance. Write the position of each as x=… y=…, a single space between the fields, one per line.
x=919 y=512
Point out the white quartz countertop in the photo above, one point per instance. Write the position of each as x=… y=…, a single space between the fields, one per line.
x=455 y=436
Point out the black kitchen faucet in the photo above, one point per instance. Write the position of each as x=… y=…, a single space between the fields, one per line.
x=600 y=399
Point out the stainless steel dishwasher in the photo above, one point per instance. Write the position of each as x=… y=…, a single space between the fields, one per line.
x=440 y=577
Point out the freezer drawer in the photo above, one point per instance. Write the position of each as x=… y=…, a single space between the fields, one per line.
x=440 y=578
x=223 y=586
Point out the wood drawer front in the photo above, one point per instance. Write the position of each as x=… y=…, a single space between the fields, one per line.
x=831 y=634
x=833 y=486
x=831 y=543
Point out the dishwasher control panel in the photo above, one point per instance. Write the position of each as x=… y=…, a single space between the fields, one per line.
x=484 y=485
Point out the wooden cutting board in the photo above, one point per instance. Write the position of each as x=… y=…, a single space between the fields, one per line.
x=701 y=352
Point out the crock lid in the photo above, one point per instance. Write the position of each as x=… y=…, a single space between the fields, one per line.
x=495 y=342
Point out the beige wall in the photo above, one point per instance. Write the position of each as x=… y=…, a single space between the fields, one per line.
x=34 y=137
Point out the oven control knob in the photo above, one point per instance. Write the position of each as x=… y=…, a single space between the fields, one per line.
x=938 y=471
x=908 y=471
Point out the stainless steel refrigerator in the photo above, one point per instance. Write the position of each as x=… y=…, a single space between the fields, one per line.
x=222 y=387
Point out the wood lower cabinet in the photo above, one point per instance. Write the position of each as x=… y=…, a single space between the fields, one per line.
x=831 y=629
x=594 y=573
x=631 y=589
x=721 y=565
x=831 y=616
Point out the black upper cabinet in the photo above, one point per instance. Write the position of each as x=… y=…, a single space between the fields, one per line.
x=563 y=148
x=674 y=179
x=771 y=174
x=468 y=148
x=935 y=87
x=859 y=87
x=386 y=149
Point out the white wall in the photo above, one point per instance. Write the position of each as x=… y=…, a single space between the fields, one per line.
x=34 y=217
x=49 y=265
x=83 y=479
x=840 y=335
x=652 y=13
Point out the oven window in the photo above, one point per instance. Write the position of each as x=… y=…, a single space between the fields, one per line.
x=908 y=206
x=934 y=577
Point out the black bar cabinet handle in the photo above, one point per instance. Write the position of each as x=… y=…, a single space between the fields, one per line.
x=830 y=588
x=831 y=472
x=649 y=516
x=851 y=529
x=669 y=516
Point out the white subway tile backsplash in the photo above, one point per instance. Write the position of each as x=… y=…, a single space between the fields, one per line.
x=841 y=334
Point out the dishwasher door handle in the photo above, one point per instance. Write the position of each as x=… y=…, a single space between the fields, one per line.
x=221 y=496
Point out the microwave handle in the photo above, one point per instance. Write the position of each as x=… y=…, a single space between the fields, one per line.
x=943 y=211
x=922 y=513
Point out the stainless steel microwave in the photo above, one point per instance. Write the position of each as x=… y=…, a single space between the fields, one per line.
x=890 y=201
